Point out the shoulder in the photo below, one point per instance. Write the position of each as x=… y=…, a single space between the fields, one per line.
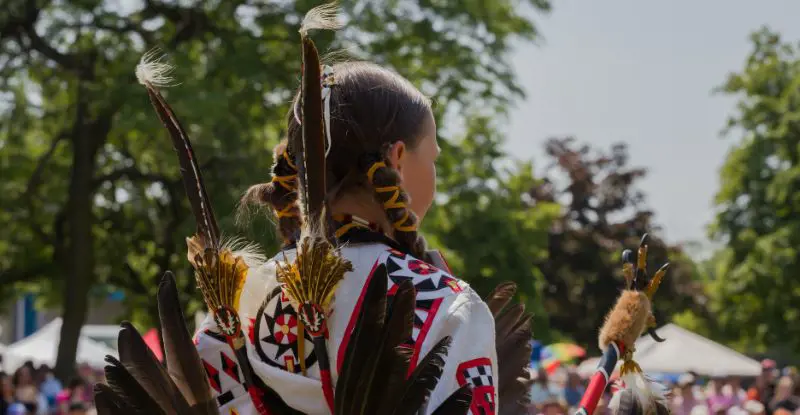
x=429 y=281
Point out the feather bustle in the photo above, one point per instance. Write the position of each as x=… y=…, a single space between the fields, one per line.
x=139 y=361
x=513 y=333
x=424 y=378
x=499 y=298
x=107 y=402
x=363 y=340
x=391 y=364
x=183 y=362
x=457 y=404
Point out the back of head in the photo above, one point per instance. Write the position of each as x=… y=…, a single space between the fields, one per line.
x=370 y=108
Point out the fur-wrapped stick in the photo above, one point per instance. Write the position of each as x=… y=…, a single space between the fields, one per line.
x=631 y=316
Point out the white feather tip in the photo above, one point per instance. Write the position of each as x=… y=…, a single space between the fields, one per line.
x=324 y=17
x=153 y=71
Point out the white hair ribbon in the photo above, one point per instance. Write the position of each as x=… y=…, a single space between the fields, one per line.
x=327 y=81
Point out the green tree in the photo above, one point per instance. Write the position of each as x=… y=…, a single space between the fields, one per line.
x=90 y=192
x=755 y=283
x=485 y=219
x=604 y=213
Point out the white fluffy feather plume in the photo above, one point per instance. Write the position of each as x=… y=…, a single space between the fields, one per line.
x=647 y=392
x=153 y=71
x=324 y=17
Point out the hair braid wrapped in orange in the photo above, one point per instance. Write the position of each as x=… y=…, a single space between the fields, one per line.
x=280 y=194
x=385 y=182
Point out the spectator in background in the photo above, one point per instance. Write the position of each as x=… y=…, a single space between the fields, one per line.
x=766 y=381
x=6 y=392
x=26 y=391
x=755 y=408
x=552 y=407
x=733 y=390
x=49 y=385
x=18 y=409
x=784 y=397
x=72 y=395
x=684 y=401
x=541 y=391
x=573 y=390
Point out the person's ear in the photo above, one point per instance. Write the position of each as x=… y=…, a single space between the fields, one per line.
x=397 y=155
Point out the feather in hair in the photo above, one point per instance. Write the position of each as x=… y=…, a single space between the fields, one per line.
x=312 y=278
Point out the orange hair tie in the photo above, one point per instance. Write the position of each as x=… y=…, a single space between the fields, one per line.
x=375 y=166
x=392 y=203
x=285 y=181
x=287 y=212
x=288 y=159
x=398 y=226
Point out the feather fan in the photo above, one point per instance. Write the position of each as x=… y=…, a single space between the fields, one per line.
x=513 y=335
x=374 y=378
x=138 y=384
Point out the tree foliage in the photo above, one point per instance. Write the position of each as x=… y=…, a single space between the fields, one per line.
x=90 y=189
x=604 y=213
x=754 y=282
x=485 y=220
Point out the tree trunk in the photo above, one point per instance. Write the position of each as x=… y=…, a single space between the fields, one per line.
x=80 y=249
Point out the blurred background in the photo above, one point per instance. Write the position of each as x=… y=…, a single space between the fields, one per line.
x=568 y=130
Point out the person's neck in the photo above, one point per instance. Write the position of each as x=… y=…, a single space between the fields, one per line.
x=355 y=205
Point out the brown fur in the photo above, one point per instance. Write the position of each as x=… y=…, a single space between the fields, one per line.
x=627 y=320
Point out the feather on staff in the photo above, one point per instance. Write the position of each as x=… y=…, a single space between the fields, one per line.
x=220 y=273
x=630 y=317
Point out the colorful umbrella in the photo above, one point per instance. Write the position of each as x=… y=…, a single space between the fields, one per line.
x=555 y=354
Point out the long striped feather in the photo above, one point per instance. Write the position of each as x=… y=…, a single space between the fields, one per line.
x=152 y=73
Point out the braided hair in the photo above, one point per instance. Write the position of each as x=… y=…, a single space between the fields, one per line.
x=371 y=109
x=280 y=194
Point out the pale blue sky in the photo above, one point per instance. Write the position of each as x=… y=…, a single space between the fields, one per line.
x=642 y=72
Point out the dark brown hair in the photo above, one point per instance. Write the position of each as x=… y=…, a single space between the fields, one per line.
x=371 y=109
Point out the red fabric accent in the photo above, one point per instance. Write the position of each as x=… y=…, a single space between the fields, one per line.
x=482 y=392
x=257 y=402
x=154 y=343
x=327 y=387
x=423 y=332
x=251 y=332
x=353 y=319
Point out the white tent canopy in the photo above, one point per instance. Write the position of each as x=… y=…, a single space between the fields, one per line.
x=41 y=348
x=685 y=351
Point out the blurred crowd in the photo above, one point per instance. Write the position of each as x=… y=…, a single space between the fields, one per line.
x=774 y=392
x=32 y=390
